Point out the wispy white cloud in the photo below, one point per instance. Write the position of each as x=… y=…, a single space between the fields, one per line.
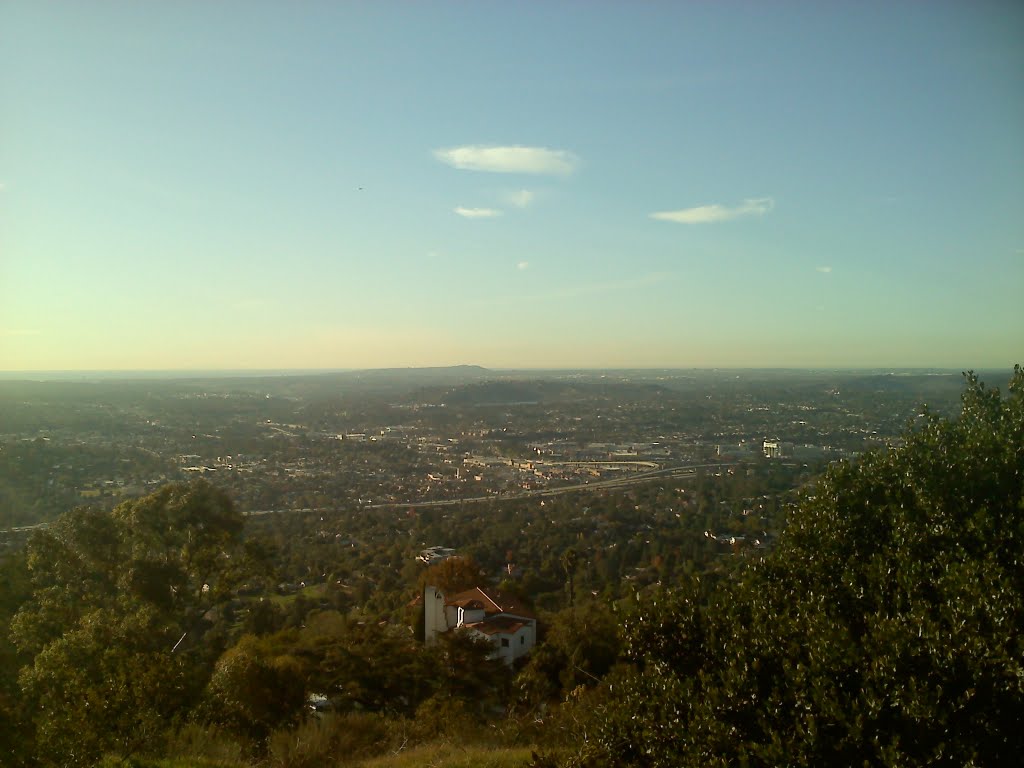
x=477 y=213
x=523 y=265
x=520 y=198
x=826 y=270
x=707 y=214
x=533 y=160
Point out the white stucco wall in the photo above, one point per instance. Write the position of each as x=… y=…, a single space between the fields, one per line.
x=520 y=643
x=434 y=619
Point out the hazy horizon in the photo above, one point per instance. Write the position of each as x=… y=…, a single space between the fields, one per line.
x=169 y=374
x=268 y=186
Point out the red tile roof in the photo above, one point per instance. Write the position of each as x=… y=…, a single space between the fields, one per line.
x=491 y=601
x=470 y=603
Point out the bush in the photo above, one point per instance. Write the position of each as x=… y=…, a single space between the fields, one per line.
x=886 y=629
x=334 y=739
x=195 y=742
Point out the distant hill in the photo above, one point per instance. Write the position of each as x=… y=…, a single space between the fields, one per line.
x=519 y=391
x=444 y=374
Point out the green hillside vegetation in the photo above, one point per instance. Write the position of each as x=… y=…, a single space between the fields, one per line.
x=884 y=628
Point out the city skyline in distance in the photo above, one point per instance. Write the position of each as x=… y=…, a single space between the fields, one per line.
x=255 y=187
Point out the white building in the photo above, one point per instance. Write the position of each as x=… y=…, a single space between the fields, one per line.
x=432 y=555
x=500 y=620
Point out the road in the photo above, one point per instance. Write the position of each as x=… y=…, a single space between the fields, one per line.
x=618 y=482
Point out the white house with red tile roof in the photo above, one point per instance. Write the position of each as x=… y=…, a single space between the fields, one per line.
x=499 y=619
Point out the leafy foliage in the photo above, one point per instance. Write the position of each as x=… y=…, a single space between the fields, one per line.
x=452 y=575
x=252 y=690
x=580 y=647
x=886 y=629
x=113 y=596
x=110 y=683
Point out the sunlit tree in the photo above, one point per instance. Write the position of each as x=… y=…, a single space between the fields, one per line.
x=110 y=623
x=886 y=629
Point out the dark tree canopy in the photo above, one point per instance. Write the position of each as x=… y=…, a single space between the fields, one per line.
x=111 y=594
x=885 y=629
x=455 y=574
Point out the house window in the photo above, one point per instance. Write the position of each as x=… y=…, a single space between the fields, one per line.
x=504 y=642
x=522 y=639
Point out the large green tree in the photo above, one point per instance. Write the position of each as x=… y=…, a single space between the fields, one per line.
x=110 y=684
x=885 y=629
x=254 y=689
x=452 y=575
x=15 y=729
x=579 y=648
x=110 y=626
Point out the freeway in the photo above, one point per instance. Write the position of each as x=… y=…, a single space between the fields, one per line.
x=610 y=484
x=613 y=483
x=618 y=482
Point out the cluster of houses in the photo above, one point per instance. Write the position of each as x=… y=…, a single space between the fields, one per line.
x=434 y=555
x=736 y=540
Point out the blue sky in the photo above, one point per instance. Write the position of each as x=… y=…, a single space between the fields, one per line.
x=345 y=185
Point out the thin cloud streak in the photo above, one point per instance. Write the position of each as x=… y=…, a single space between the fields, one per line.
x=824 y=270
x=477 y=213
x=708 y=214
x=520 y=199
x=512 y=159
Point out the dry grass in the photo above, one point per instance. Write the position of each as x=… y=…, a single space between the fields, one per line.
x=447 y=755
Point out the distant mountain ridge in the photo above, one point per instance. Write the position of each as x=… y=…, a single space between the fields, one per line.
x=456 y=371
